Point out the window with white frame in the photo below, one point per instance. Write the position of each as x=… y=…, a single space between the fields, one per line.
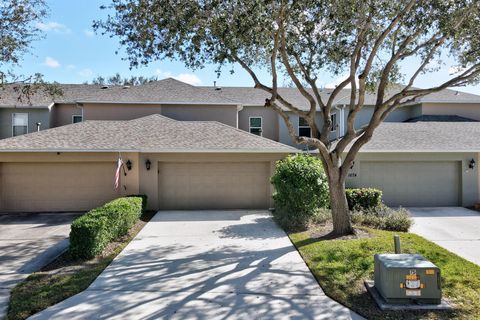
x=333 y=118
x=77 y=118
x=19 y=124
x=255 y=125
x=304 y=129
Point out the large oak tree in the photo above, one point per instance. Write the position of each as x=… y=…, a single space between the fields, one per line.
x=19 y=27
x=305 y=40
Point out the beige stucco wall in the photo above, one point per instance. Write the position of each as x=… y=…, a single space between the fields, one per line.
x=468 y=110
x=226 y=114
x=62 y=113
x=469 y=178
x=119 y=111
x=269 y=120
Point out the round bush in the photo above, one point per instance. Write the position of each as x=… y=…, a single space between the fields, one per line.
x=301 y=188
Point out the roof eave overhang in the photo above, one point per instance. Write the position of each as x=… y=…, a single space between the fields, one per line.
x=235 y=104
x=153 y=150
x=418 y=151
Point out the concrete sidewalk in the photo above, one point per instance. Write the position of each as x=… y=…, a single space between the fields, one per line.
x=456 y=229
x=204 y=265
x=28 y=241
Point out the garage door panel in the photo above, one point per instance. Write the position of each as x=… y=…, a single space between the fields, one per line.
x=56 y=186
x=414 y=183
x=242 y=185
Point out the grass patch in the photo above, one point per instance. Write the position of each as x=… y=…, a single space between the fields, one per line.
x=65 y=277
x=341 y=266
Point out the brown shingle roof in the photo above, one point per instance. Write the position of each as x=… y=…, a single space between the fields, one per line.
x=174 y=91
x=425 y=137
x=154 y=133
x=163 y=91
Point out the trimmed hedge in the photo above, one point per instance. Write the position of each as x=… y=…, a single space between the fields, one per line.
x=363 y=198
x=301 y=188
x=93 y=231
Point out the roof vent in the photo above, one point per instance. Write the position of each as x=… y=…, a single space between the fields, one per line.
x=126 y=87
x=104 y=87
x=215 y=86
x=457 y=93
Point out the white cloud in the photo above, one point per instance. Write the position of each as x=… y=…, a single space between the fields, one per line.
x=71 y=67
x=51 y=62
x=85 y=73
x=163 y=74
x=189 y=78
x=53 y=26
x=89 y=33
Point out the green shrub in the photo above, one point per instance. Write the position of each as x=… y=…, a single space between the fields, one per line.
x=144 y=199
x=363 y=198
x=383 y=217
x=300 y=189
x=322 y=216
x=93 y=231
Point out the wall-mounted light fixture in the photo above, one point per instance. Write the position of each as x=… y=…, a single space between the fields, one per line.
x=471 y=165
x=148 y=164
x=129 y=165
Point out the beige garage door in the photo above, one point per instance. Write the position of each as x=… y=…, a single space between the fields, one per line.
x=414 y=183
x=56 y=186
x=218 y=185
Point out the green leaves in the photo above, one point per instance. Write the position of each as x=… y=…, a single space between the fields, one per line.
x=300 y=189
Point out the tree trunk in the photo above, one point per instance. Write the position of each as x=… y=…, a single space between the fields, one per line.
x=338 y=202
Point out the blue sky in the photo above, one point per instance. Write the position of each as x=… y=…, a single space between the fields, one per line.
x=72 y=53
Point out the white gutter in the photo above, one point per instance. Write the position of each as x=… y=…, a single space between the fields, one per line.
x=156 y=102
x=416 y=151
x=293 y=150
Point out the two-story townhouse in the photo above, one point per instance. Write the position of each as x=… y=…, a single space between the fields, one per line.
x=241 y=107
x=425 y=163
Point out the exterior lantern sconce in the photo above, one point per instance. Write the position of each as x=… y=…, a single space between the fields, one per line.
x=129 y=165
x=148 y=164
x=471 y=165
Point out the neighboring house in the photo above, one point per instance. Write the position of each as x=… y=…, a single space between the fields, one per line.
x=177 y=164
x=240 y=107
x=421 y=164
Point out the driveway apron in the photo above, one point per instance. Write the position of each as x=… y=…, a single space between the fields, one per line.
x=28 y=241
x=455 y=229
x=205 y=265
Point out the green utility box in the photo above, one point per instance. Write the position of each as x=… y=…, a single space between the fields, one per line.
x=407 y=278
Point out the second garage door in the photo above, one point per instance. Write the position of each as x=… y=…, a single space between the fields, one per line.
x=221 y=185
x=55 y=186
x=414 y=183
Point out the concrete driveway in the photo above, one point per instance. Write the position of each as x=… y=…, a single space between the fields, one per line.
x=204 y=265
x=27 y=242
x=455 y=229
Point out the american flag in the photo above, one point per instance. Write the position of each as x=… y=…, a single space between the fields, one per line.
x=117 y=173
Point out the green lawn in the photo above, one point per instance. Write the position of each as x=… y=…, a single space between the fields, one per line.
x=340 y=267
x=46 y=288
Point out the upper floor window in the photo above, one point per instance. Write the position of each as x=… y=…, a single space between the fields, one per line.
x=333 y=118
x=304 y=129
x=19 y=123
x=255 y=125
x=77 y=118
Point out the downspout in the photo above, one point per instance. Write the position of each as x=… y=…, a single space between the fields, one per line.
x=80 y=105
x=239 y=108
